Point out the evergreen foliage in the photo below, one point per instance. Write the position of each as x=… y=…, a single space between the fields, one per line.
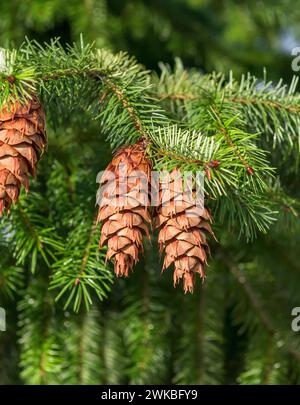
x=68 y=319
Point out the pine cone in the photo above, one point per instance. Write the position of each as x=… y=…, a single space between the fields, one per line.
x=184 y=224
x=22 y=141
x=124 y=206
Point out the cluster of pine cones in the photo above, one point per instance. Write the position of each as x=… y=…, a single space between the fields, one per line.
x=126 y=213
x=125 y=207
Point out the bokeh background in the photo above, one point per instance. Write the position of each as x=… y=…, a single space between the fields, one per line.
x=236 y=328
x=212 y=35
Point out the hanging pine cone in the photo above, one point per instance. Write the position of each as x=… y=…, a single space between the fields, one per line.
x=22 y=141
x=124 y=206
x=183 y=225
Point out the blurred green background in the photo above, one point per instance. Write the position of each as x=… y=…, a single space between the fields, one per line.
x=229 y=331
x=221 y=34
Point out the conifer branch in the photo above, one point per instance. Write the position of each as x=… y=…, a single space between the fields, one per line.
x=86 y=253
x=81 y=271
x=126 y=104
x=258 y=307
x=292 y=108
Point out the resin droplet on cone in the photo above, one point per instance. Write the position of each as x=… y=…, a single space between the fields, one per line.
x=124 y=206
x=184 y=225
x=22 y=141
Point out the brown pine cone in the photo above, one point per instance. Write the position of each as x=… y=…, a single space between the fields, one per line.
x=124 y=206
x=184 y=226
x=22 y=142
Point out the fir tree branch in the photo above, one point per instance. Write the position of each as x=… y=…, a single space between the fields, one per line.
x=258 y=307
x=29 y=231
x=268 y=108
x=292 y=108
x=81 y=271
x=86 y=252
x=225 y=132
x=126 y=104
x=32 y=231
x=128 y=111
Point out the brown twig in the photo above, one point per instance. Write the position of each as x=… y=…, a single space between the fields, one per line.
x=126 y=104
x=238 y=100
